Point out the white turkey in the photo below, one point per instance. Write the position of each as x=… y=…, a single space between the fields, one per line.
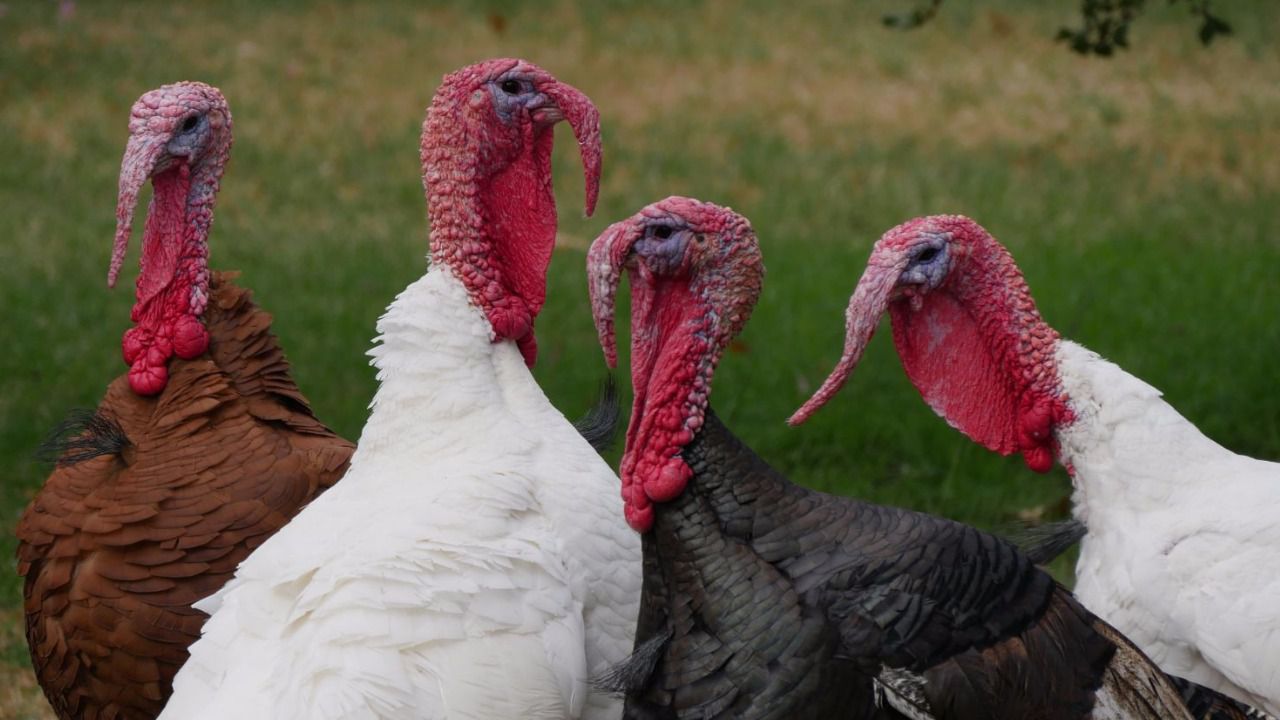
x=475 y=563
x=1183 y=546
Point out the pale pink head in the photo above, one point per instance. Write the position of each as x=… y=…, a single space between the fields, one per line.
x=696 y=273
x=180 y=139
x=967 y=332
x=486 y=164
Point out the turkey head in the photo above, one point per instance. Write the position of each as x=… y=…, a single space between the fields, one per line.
x=696 y=272
x=967 y=332
x=486 y=150
x=180 y=138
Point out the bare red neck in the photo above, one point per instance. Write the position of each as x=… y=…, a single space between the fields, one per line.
x=982 y=357
x=672 y=363
x=498 y=232
x=172 y=289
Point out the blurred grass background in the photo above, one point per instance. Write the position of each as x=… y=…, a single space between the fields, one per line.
x=1139 y=195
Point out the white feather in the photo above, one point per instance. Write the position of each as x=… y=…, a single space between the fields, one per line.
x=1183 y=547
x=473 y=563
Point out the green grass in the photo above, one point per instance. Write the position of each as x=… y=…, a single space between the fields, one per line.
x=1139 y=196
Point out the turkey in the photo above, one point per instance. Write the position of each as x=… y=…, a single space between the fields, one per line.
x=763 y=599
x=1183 y=547
x=187 y=464
x=473 y=562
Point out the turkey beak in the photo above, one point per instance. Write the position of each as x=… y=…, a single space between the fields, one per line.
x=584 y=119
x=870 y=300
x=144 y=152
x=606 y=258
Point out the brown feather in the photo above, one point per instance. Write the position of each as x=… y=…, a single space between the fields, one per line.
x=1131 y=684
x=116 y=548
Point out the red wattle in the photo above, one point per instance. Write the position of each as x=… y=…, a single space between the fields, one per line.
x=639 y=518
x=135 y=342
x=146 y=379
x=1037 y=422
x=528 y=347
x=669 y=338
x=510 y=319
x=669 y=482
x=190 y=338
x=1038 y=459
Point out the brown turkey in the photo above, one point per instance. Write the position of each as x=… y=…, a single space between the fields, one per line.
x=763 y=599
x=187 y=464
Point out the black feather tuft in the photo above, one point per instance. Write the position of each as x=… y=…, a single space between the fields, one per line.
x=82 y=435
x=633 y=674
x=599 y=426
x=1043 y=543
x=1206 y=704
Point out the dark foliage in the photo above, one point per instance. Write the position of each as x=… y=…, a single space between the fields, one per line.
x=1104 y=23
x=913 y=18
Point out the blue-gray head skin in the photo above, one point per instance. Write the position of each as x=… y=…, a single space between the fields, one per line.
x=928 y=262
x=696 y=272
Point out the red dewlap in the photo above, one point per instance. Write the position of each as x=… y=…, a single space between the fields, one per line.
x=170 y=288
x=521 y=205
x=980 y=354
x=669 y=356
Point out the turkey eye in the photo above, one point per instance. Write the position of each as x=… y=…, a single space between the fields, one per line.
x=927 y=255
x=511 y=87
x=662 y=231
x=190 y=123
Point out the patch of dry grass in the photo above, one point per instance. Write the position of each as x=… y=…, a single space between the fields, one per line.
x=20 y=697
x=367 y=72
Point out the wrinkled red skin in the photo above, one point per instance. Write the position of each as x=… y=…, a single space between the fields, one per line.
x=167 y=316
x=172 y=287
x=996 y=377
x=521 y=206
x=670 y=372
x=489 y=193
x=974 y=346
x=684 y=312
